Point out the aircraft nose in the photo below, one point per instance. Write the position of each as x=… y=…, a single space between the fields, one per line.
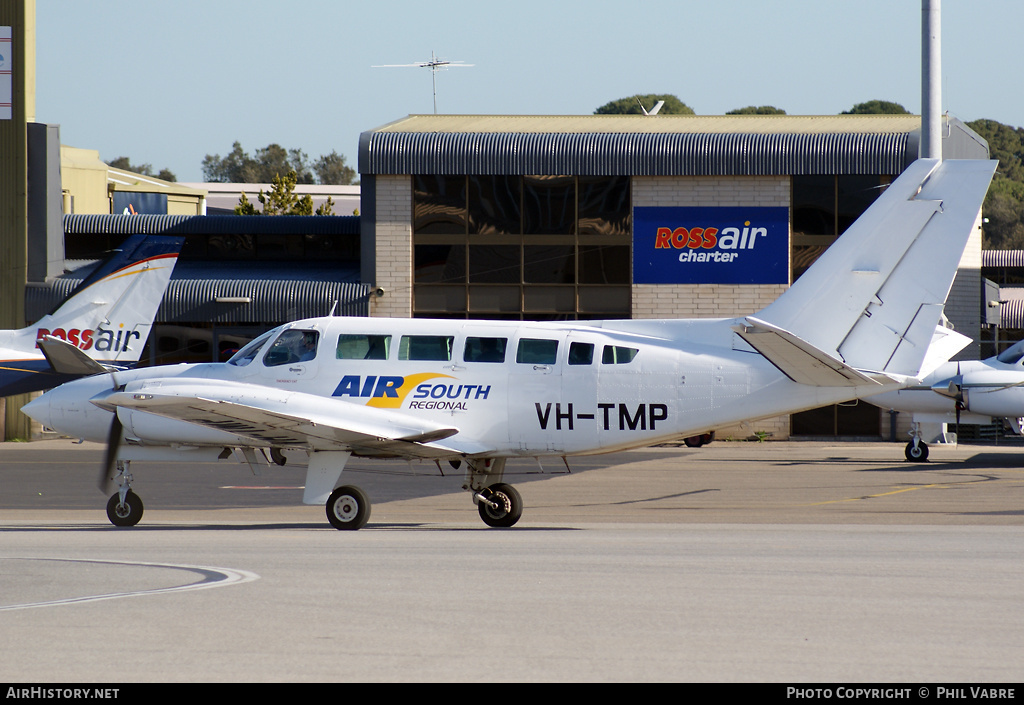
x=67 y=410
x=39 y=409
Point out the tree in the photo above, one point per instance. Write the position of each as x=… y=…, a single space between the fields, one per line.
x=282 y=200
x=876 y=107
x=631 y=105
x=331 y=169
x=144 y=169
x=757 y=110
x=1004 y=202
x=274 y=160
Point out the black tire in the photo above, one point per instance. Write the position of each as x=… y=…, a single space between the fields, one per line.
x=127 y=514
x=693 y=441
x=918 y=454
x=348 y=508
x=510 y=506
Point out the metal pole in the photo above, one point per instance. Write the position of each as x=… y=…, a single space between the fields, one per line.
x=931 y=76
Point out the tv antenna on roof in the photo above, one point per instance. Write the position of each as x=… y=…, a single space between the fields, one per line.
x=435 y=64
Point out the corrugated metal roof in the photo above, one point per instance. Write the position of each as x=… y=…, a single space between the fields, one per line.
x=84 y=224
x=634 y=154
x=660 y=124
x=632 y=145
x=1002 y=258
x=1011 y=314
x=274 y=298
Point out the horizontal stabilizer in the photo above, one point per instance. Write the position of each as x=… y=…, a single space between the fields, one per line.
x=66 y=359
x=798 y=359
x=946 y=343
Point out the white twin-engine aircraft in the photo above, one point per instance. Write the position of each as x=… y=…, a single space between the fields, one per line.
x=971 y=392
x=102 y=325
x=863 y=319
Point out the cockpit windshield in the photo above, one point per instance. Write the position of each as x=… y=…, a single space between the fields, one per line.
x=292 y=346
x=1012 y=355
x=247 y=354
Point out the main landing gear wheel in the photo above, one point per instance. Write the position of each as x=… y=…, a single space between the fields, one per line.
x=348 y=508
x=127 y=513
x=509 y=506
x=918 y=453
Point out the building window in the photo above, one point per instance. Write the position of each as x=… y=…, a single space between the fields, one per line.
x=521 y=247
x=824 y=206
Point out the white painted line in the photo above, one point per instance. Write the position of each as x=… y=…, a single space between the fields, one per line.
x=212 y=578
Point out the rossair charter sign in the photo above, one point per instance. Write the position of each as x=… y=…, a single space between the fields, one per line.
x=710 y=245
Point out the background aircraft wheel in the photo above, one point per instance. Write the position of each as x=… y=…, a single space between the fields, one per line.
x=698 y=441
x=348 y=508
x=510 y=506
x=917 y=454
x=127 y=514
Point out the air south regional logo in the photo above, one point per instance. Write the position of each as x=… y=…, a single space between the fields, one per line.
x=710 y=245
x=426 y=390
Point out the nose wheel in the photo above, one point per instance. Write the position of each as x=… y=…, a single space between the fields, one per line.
x=124 y=511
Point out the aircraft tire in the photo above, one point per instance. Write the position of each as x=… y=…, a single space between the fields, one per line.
x=698 y=441
x=918 y=454
x=509 y=510
x=348 y=508
x=127 y=514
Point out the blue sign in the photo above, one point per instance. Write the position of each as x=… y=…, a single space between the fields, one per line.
x=135 y=203
x=734 y=245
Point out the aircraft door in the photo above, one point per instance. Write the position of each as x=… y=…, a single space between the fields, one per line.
x=579 y=392
x=536 y=412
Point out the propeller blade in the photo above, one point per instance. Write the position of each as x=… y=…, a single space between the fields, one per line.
x=107 y=473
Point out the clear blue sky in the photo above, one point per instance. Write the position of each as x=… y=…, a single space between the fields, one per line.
x=167 y=83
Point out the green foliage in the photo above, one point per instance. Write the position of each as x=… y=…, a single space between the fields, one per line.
x=273 y=160
x=631 y=105
x=144 y=169
x=876 y=107
x=1004 y=203
x=331 y=169
x=757 y=110
x=282 y=200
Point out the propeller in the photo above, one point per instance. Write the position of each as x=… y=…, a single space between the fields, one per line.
x=107 y=473
x=954 y=389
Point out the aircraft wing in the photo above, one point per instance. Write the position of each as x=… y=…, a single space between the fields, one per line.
x=293 y=419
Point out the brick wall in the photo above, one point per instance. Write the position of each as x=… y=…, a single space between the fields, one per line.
x=393 y=243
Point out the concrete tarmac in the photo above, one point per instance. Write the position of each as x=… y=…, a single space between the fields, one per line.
x=736 y=562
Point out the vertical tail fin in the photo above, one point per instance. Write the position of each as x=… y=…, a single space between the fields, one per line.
x=874 y=298
x=109 y=315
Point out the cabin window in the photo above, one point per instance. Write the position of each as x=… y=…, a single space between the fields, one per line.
x=363 y=347
x=292 y=346
x=425 y=347
x=537 y=351
x=581 y=353
x=616 y=355
x=485 y=349
x=248 y=353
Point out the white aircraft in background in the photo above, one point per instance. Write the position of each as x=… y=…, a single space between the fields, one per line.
x=102 y=325
x=862 y=320
x=972 y=391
